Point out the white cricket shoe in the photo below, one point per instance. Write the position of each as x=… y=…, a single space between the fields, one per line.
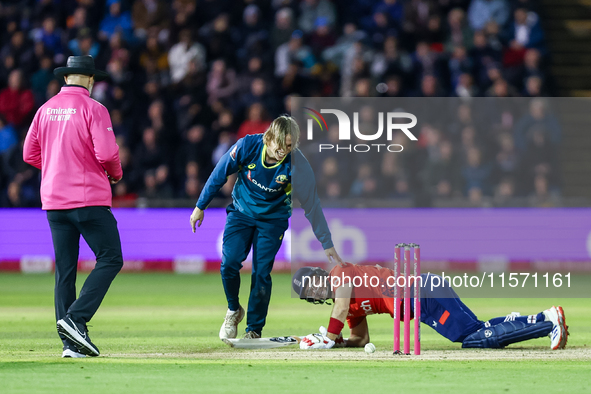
x=250 y=335
x=559 y=334
x=71 y=353
x=562 y=319
x=230 y=327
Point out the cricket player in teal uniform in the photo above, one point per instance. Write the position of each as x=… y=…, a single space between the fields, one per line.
x=259 y=214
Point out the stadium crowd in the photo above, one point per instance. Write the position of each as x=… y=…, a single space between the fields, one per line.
x=190 y=77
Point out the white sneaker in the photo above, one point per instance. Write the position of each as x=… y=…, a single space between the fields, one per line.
x=250 y=335
x=559 y=333
x=562 y=319
x=230 y=327
x=69 y=353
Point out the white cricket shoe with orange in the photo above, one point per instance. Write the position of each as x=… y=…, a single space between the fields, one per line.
x=559 y=334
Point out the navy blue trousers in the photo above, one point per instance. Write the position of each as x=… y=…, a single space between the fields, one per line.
x=99 y=228
x=444 y=312
x=264 y=236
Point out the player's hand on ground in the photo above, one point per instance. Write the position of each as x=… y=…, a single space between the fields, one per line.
x=196 y=216
x=333 y=256
x=339 y=340
x=316 y=341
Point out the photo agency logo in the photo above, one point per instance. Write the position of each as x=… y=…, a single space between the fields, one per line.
x=395 y=121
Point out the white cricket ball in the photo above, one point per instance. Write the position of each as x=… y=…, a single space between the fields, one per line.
x=370 y=348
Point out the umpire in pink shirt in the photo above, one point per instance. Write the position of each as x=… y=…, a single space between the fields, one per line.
x=71 y=141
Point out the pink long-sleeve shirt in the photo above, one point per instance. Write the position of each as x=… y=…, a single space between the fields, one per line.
x=71 y=141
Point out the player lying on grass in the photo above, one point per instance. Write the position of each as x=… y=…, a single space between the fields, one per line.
x=441 y=309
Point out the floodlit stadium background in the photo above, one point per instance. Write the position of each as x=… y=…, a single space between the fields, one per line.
x=190 y=77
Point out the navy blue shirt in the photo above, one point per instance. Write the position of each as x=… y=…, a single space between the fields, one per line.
x=265 y=191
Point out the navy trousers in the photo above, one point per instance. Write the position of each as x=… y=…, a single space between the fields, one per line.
x=264 y=236
x=99 y=228
x=444 y=312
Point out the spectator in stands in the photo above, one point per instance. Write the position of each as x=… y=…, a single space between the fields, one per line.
x=84 y=44
x=504 y=192
x=8 y=137
x=426 y=61
x=458 y=64
x=283 y=27
x=476 y=174
x=192 y=189
x=194 y=149
x=254 y=69
x=531 y=64
x=225 y=142
x=442 y=172
x=525 y=31
x=18 y=52
x=252 y=32
x=23 y=180
x=122 y=197
x=393 y=8
x=115 y=21
x=394 y=87
x=540 y=157
x=161 y=80
x=259 y=93
x=430 y=87
x=416 y=17
x=484 y=58
x=53 y=88
x=310 y=10
x=458 y=31
x=391 y=61
x=344 y=44
x=379 y=27
x=538 y=116
x=507 y=163
x=219 y=36
x=292 y=51
x=365 y=184
x=322 y=37
x=483 y=11
x=16 y=102
x=221 y=82
x=154 y=51
x=182 y=53
x=50 y=36
x=533 y=87
x=76 y=22
x=542 y=195
x=149 y=155
x=256 y=122
x=150 y=13
x=41 y=78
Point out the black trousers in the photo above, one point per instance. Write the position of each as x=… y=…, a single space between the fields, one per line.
x=99 y=228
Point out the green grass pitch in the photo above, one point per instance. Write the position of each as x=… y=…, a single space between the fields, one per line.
x=158 y=334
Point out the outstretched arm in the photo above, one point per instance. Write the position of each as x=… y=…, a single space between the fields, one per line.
x=304 y=187
x=340 y=310
x=228 y=164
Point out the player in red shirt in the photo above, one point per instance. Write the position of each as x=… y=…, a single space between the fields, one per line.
x=361 y=290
